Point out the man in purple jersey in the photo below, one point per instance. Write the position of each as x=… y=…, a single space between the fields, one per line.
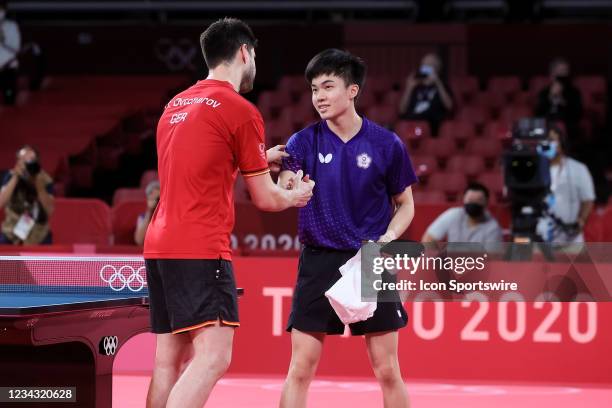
x=363 y=192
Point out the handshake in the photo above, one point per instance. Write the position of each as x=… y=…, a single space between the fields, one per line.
x=296 y=185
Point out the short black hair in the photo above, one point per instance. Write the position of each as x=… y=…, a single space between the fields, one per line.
x=223 y=38
x=340 y=63
x=474 y=186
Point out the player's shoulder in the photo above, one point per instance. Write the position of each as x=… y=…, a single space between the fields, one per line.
x=381 y=135
x=306 y=135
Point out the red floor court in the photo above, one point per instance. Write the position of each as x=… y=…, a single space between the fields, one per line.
x=263 y=392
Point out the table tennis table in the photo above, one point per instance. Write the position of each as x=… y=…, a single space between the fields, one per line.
x=67 y=335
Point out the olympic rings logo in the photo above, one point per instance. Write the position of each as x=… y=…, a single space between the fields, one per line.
x=118 y=280
x=176 y=54
x=109 y=345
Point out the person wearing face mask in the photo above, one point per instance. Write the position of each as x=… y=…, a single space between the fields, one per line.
x=561 y=100
x=10 y=45
x=426 y=96
x=470 y=223
x=572 y=193
x=27 y=198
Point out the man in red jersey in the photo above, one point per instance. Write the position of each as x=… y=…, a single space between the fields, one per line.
x=205 y=135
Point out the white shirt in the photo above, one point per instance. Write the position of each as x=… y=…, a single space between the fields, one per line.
x=571 y=184
x=10 y=43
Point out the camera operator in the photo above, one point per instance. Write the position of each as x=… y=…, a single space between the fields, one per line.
x=572 y=193
x=10 y=45
x=561 y=100
x=27 y=197
x=152 y=193
x=426 y=96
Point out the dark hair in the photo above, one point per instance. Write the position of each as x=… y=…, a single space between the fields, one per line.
x=340 y=63
x=223 y=38
x=474 y=186
x=26 y=146
x=558 y=129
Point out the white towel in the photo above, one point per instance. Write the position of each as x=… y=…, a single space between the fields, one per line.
x=345 y=295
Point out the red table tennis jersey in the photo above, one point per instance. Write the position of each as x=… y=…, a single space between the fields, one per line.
x=205 y=135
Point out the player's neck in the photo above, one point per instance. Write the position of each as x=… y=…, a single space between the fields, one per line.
x=223 y=73
x=346 y=126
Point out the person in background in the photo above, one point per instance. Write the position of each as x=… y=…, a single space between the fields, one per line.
x=152 y=194
x=10 y=46
x=27 y=198
x=572 y=193
x=427 y=97
x=470 y=223
x=561 y=100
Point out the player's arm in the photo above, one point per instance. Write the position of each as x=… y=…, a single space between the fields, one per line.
x=268 y=196
x=404 y=213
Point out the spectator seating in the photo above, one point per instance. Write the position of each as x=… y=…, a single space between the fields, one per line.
x=81 y=221
x=124 y=216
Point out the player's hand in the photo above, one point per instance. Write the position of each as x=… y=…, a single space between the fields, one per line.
x=387 y=237
x=302 y=189
x=275 y=156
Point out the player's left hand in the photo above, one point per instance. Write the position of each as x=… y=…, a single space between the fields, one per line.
x=275 y=156
x=387 y=237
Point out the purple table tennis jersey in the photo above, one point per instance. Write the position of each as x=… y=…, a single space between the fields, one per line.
x=354 y=183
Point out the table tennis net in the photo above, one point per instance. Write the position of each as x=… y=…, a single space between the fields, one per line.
x=60 y=274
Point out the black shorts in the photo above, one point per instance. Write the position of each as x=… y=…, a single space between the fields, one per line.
x=186 y=294
x=311 y=311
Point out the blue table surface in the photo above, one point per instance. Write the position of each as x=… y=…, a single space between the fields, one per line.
x=23 y=296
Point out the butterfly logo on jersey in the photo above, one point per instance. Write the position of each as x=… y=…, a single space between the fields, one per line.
x=364 y=161
x=325 y=159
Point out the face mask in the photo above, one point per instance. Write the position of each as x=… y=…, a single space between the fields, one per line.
x=549 y=151
x=474 y=210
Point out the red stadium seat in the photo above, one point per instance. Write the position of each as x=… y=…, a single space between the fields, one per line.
x=124 y=216
x=378 y=85
x=384 y=115
x=497 y=130
x=441 y=148
x=592 y=87
x=365 y=100
x=607 y=221
x=412 y=131
x=471 y=165
x=81 y=221
x=511 y=114
x=278 y=131
x=491 y=101
x=392 y=98
x=494 y=181
x=476 y=115
x=457 y=130
x=147 y=177
x=507 y=85
x=451 y=184
x=293 y=84
x=464 y=88
x=270 y=103
x=537 y=83
x=128 y=194
x=424 y=165
x=489 y=149
x=428 y=197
